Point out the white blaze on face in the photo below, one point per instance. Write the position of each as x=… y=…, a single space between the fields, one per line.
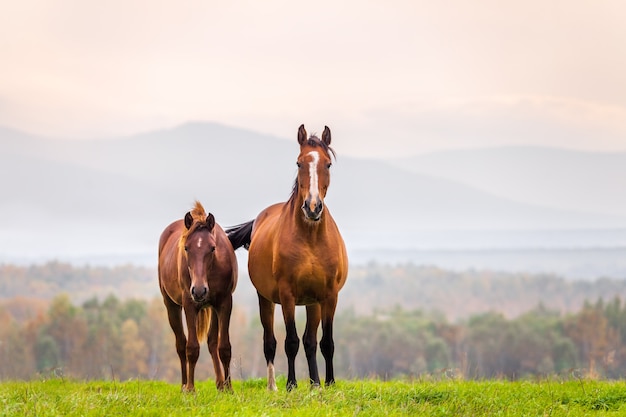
x=313 y=187
x=200 y=242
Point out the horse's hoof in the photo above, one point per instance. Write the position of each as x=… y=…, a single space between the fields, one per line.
x=188 y=389
x=225 y=387
x=291 y=385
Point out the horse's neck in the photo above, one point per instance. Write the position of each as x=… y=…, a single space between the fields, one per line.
x=302 y=227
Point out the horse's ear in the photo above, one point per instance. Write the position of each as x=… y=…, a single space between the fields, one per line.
x=326 y=136
x=301 y=134
x=210 y=221
x=188 y=220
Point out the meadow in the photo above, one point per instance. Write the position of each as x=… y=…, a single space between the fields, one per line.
x=575 y=397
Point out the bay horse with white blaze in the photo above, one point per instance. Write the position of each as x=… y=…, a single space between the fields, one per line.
x=198 y=274
x=297 y=257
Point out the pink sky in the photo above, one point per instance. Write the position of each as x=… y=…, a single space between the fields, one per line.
x=389 y=78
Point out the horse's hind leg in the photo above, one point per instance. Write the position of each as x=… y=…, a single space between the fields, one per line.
x=327 y=344
x=309 y=340
x=175 y=318
x=266 y=311
x=225 y=350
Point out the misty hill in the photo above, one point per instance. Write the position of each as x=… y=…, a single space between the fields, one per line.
x=84 y=199
x=557 y=178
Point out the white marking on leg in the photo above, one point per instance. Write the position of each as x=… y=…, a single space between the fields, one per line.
x=271 y=378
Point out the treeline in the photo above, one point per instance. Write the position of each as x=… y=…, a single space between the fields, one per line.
x=460 y=294
x=457 y=295
x=45 y=281
x=124 y=339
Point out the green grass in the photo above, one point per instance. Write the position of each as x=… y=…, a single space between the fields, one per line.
x=58 y=397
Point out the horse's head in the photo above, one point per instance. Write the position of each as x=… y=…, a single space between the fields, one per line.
x=313 y=179
x=199 y=249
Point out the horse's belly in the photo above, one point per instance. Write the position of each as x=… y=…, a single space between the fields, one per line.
x=306 y=281
x=310 y=290
x=304 y=290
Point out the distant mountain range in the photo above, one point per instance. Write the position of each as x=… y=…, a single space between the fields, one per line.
x=593 y=182
x=91 y=198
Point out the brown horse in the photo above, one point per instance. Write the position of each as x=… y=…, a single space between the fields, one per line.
x=198 y=274
x=297 y=257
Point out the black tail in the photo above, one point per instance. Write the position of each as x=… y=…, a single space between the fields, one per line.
x=240 y=235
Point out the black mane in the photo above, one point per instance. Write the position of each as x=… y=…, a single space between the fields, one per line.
x=315 y=142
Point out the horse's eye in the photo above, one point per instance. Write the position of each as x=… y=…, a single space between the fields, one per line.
x=328 y=165
x=212 y=249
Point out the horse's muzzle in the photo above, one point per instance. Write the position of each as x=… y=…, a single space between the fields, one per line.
x=200 y=293
x=313 y=209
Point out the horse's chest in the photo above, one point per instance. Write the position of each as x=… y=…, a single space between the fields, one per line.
x=309 y=276
x=308 y=284
x=304 y=262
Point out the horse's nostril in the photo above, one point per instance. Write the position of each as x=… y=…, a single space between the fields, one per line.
x=199 y=292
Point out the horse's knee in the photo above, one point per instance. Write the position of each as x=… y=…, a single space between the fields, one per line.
x=212 y=344
x=292 y=344
x=310 y=346
x=182 y=351
x=225 y=353
x=327 y=346
x=181 y=346
x=269 y=348
x=193 y=353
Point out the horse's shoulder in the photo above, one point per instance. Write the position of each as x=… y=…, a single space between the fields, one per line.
x=268 y=216
x=274 y=209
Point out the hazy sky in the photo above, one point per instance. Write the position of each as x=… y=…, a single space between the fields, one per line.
x=389 y=77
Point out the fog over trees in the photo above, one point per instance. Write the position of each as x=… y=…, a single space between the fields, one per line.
x=393 y=321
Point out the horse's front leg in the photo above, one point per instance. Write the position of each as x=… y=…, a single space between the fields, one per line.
x=309 y=340
x=193 y=347
x=327 y=344
x=175 y=318
x=212 y=342
x=225 y=352
x=292 y=342
x=266 y=312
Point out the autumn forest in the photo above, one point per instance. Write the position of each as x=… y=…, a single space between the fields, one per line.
x=393 y=321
